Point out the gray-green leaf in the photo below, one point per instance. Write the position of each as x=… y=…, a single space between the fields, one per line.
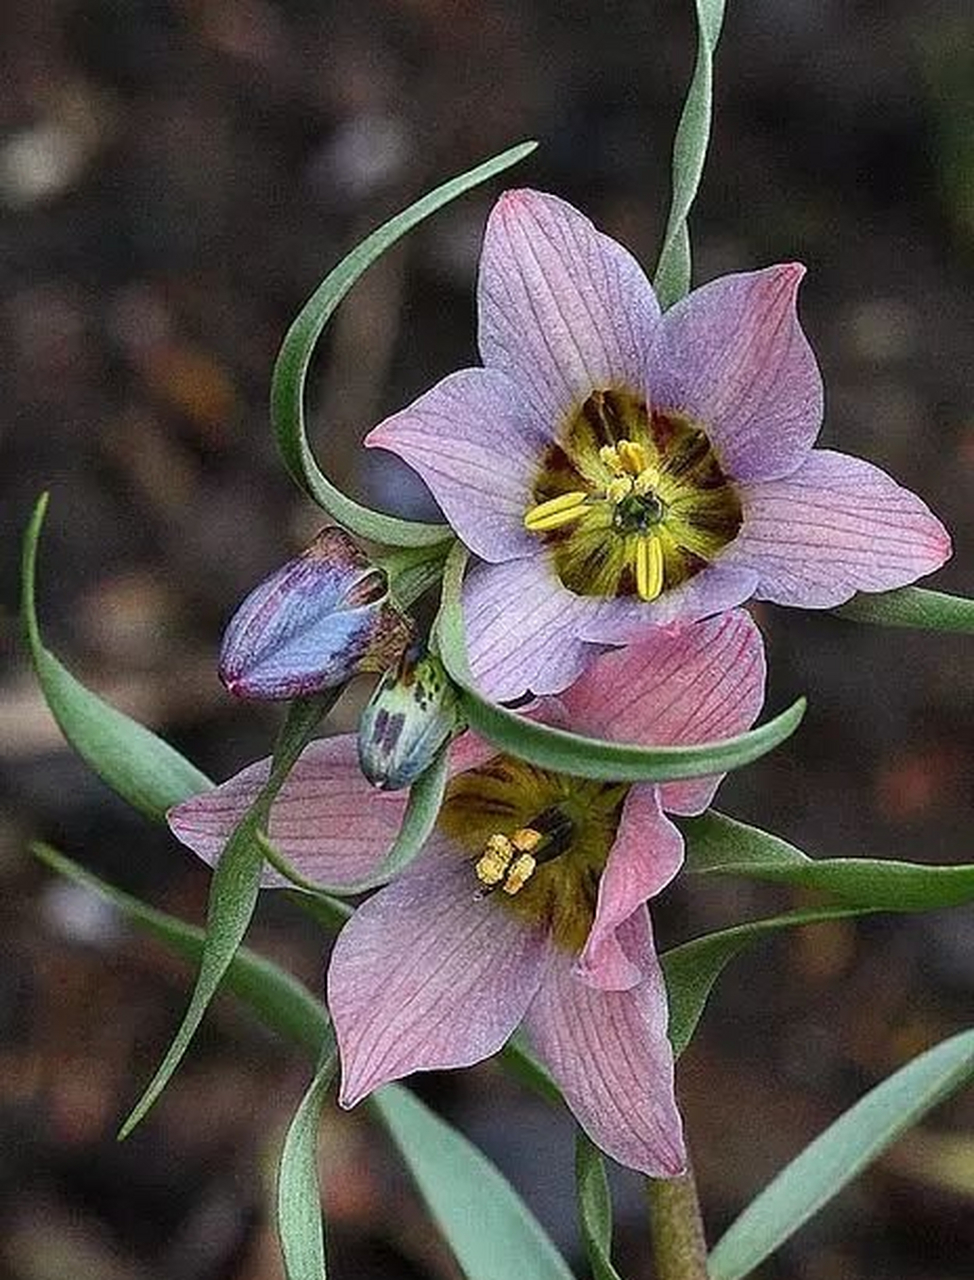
x=840 y=1154
x=293 y=362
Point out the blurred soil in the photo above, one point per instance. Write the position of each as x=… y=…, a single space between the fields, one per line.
x=174 y=179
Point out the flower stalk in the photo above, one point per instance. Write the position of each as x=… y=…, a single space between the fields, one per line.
x=676 y=1227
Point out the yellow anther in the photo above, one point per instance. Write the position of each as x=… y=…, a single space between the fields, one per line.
x=555 y=512
x=619 y=488
x=494 y=862
x=521 y=871
x=526 y=839
x=609 y=455
x=647 y=482
x=632 y=456
x=649 y=567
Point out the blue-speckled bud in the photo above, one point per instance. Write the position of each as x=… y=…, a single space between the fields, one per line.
x=410 y=716
x=320 y=619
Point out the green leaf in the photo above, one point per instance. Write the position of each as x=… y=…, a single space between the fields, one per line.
x=492 y=1232
x=911 y=607
x=233 y=894
x=280 y=1002
x=717 y=845
x=841 y=1153
x=571 y=753
x=594 y=1208
x=419 y=819
x=485 y=1222
x=689 y=153
x=136 y=764
x=299 y=1219
x=412 y=571
x=692 y=969
x=291 y=369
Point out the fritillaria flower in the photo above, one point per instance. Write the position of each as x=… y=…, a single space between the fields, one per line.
x=527 y=906
x=313 y=624
x=615 y=468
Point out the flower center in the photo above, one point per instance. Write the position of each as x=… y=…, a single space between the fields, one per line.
x=538 y=840
x=631 y=503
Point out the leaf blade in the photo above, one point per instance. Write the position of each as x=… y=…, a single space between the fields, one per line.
x=487 y=1225
x=692 y=969
x=840 y=1153
x=911 y=607
x=572 y=753
x=234 y=889
x=718 y=845
x=300 y=1226
x=672 y=279
x=137 y=764
x=279 y=1000
x=594 y=1208
x=294 y=360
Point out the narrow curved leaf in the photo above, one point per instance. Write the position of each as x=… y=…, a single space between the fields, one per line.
x=485 y=1222
x=571 y=753
x=280 y=1002
x=299 y=1219
x=841 y=1153
x=491 y=1230
x=594 y=1208
x=291 y=369
x=717 y=845
x=137 y=765
x=689 y=153
x=692 y=969
x=234 y=888
x=911 y=607
x=425 y=798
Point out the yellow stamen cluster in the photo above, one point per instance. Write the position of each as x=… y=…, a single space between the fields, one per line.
x=507 y=861
x=632 y=475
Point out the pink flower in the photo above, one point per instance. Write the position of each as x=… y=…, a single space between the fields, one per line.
x=527 y=905
x=615 y=468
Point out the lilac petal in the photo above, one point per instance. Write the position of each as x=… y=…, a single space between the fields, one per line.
x=609 y=1054
x=426 y=975
x=717 y=588
x=646 y=855
x=314 y=623
x=477 y=443
x=733 y=356
x=327 y=821
x=837 y=526
x=676 y=688
x=522 y=629
x=563 y=309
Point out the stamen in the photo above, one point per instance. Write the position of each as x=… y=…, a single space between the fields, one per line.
x=526 y=839
x=632 y=456
x=647 y=482
x=556 y=512
x=649 y=567
x=507 y=862
x=609 y=454
x=619 y=488
x=522 y=869
x=492 y=866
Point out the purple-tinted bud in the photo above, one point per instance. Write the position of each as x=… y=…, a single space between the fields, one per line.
x=313 y=624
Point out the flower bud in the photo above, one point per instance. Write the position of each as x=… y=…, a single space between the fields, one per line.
x=313 y=624
x=410 y=716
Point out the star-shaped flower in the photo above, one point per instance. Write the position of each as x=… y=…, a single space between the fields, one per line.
x=527 y=905
x=615 y=468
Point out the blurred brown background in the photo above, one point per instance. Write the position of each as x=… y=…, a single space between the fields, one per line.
x=174 y=179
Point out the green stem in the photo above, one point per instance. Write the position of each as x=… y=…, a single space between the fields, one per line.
x=679 y=1247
